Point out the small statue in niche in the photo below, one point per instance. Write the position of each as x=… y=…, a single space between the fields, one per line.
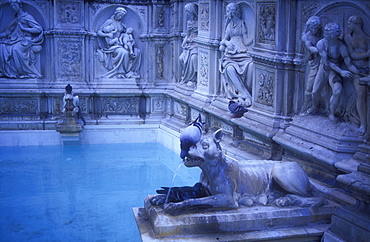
x=189 y=56
x=117 y=52
x=332 y=50
x=358 y=45
x=236 y=65
x=310 y=37
x=19 y=45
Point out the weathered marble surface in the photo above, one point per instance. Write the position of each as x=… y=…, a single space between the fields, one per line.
x=243 y=223
x=272 y=128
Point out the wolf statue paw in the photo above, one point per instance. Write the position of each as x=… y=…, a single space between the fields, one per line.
x=158 y=200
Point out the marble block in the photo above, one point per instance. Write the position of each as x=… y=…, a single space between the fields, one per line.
x=242 y=221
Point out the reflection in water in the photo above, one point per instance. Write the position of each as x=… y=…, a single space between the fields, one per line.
x=81 y=193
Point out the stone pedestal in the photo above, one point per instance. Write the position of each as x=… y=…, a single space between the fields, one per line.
x=243 y=224
x=69 y=129
x=349 y=224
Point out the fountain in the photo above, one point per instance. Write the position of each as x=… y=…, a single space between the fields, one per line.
x=72 y=121
x=143 y=69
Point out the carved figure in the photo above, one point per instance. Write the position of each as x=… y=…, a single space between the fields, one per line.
x=236 y=65
x=358 y=45
x=332 y=51
x=117 y=52
x=310 y=38
x=189 y=56
x=71 y=105
x=19 y=45
x=232 y=184
x=127 y=40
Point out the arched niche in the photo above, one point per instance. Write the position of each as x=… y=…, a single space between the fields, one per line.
x=130 y=20
x=7 y=16
x=340 y=12
x=248 y=15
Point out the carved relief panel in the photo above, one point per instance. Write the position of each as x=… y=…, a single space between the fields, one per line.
x=265 y=82
x=180 y=111
x=158 y=104
x=120 y=105
x=266 y=25
x=18 y=106
x=204 y=16
x=69 y=13
x=70 y=58
x=203 y=68
x=21 y=57
x=344 y=99
x=118 y=48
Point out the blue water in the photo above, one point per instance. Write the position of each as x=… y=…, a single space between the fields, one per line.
x=84 y=192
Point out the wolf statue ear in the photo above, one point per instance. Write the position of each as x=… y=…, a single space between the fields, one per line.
x=217 y=136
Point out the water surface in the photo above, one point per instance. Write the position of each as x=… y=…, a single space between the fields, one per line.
x=84 y=192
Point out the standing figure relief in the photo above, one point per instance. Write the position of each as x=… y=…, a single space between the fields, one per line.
x=310 y=37
x=358 y=45
x=118 y=53
x=19 y=44
x=343 y=62
x=189 y=56
x=236 y=65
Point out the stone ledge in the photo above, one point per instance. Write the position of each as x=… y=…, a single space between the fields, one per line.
x=245 y=223
x=312 y=232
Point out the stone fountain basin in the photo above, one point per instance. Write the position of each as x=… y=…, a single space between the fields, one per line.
x=254 y=223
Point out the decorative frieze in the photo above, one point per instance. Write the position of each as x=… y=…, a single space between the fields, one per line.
x=217 y=123
x=18 y=106
x=120 y=105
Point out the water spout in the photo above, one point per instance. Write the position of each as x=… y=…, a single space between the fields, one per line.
x=173 y=178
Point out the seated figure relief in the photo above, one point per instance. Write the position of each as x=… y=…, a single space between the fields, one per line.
x=117 y=51
x=236 y=65
x=19 y=44
x=189 y=56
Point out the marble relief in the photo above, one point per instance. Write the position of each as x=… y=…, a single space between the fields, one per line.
x=236 y=65
x=117 y=50
x=338 y=59
x=20 y=44
x=189 y=56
